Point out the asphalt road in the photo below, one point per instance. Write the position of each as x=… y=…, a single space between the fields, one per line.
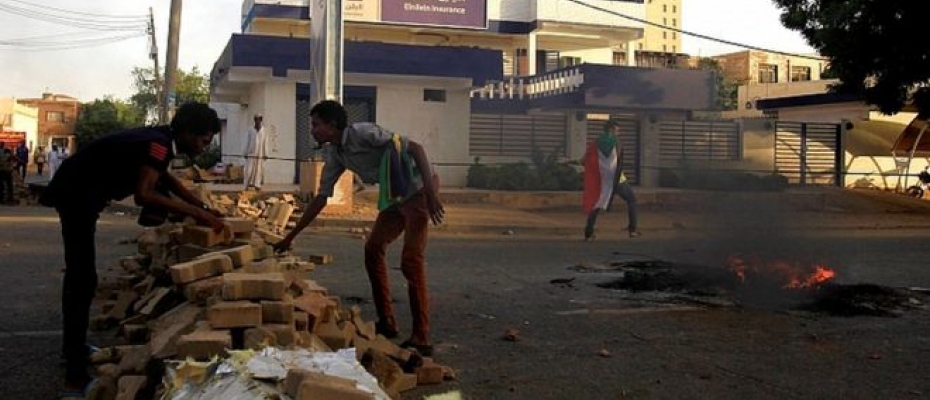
x=576 y=340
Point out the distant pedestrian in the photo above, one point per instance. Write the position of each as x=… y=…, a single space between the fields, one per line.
x=255 y=152
x=54 y=161
x=6 y=174
x=22 y=157
x=40 y=158
x=604 y=177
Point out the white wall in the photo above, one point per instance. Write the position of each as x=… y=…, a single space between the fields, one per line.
x=830 y=113
x=442 y=128
x=593 y=56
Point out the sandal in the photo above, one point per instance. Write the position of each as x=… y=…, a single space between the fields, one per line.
x=425 y=350
x=386 y=330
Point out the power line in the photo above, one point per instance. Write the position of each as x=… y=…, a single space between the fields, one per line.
x=694 y=34
x=68 y=45
x=73 y=21
x=129 y=17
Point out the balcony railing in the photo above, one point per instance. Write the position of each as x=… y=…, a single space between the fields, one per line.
x=552 y=83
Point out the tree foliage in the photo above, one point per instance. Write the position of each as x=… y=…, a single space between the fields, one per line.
x=103 y=117
x=876 y=48
x=726 y=89
x=191 y=86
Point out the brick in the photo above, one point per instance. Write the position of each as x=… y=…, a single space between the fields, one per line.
x=200 y=268
x=159 y=303
x=301 y=321
x=312 y=342
x=203 y=345
x=327 y=387
x=314 y=305
x=130 y=386
x=284 y=334
x=135 y=333
x=261 y=251
x=263 y=267
x=199 y=291
x=321 y=259
x=234 y=314
x=258 y=337
x=204 y=236
x=135 y=360
x=277 y=312
x=145 y=286
x=400 y=384
x=333 y=335
x=131 y=264
x=429 y=373
x=108 y=369
x=267 y=236
x=294 y=378
x=386 y=371
x=104 y=388
x=172 y=324
x=243 y=286
x=239 y=225
x=241 y=256
x=123 y=303
x=187 y=252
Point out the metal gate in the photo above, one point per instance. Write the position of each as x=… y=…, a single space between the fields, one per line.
x=629 y=139
x=699 y=141
x=809 y=153
x=516 y=135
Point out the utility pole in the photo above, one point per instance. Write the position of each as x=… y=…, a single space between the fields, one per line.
x=153 y=54
x=171 y=62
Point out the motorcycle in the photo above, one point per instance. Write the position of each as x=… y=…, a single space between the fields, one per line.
x=924 y=184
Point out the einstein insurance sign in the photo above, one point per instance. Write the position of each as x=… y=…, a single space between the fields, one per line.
x=447 y=13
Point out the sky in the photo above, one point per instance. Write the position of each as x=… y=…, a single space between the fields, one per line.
x=89 y=73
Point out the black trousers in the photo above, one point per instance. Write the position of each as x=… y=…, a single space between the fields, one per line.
x=6 y=186
x=80 y=284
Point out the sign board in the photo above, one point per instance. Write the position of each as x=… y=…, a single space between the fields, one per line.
x=361 y=10
x=12 y=138
x=450 y=13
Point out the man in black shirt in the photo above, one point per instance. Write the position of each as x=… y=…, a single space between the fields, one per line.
x=133 y=162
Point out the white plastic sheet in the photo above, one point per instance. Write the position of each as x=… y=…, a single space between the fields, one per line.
x=248 y=375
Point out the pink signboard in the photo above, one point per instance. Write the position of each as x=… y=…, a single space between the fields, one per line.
x=451 y=13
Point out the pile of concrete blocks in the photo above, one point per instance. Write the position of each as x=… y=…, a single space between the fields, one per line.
x=192 y=293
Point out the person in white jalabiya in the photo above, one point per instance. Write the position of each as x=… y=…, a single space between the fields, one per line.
x=254 y=154
x=55 y=158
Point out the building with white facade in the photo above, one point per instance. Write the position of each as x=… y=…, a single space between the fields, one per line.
x=495 y=79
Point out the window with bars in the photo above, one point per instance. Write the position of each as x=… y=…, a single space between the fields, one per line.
x=768 y=73
x=799 y=74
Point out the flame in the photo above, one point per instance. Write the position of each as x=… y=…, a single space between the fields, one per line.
x=794 y=276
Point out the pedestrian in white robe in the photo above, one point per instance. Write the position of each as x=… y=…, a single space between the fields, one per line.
x=255 y=153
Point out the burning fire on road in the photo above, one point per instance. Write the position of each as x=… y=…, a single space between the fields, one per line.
x=751 y=282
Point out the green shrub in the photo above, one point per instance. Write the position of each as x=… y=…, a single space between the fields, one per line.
x=546 y=173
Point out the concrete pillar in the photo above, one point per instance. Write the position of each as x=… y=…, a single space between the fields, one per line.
x=631 y=54
x=577 y=134
x=531 y=53
x=281 y=124
x=649 y=150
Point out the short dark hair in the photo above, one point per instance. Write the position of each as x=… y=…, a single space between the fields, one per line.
x=330 y=111
x=196 y=118
x=611 y=124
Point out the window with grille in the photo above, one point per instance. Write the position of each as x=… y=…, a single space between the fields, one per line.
x=768 y=73
x=799 y=74
x=54 y=116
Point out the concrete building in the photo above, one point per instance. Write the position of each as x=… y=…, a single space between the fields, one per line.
x=19 y=119
x=495 y=79
x=57 y=116
x=658 y=48
x=752 y=67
